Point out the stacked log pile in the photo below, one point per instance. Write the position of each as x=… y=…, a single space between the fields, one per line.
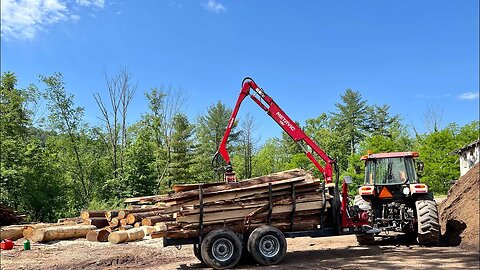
x=8 y=216
x=289 y=200
x=115 y=225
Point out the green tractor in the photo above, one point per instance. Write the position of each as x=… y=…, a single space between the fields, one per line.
x=395 y=200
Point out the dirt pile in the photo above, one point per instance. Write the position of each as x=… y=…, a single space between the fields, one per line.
x=459 y=212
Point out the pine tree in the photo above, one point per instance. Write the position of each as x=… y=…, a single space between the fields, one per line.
x=209 y=134
x=350 y=117
x=182 y=150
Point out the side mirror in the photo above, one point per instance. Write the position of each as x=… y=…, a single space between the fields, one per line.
x=348 y=179
x=420 y=167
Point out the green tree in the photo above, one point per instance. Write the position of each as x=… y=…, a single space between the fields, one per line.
x=140 y=171
x=209 y=133
x=350 y=118
x=247 y=144
x=77 y=152
x=14 y=123
x=164 y=104
x=270 y=158
x=182 y=150
x=440 y=165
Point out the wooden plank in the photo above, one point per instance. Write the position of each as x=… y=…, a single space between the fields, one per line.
x=241 y=214
x=237 y=205
x=234 y=195
x=245 y=183
x=234 y=187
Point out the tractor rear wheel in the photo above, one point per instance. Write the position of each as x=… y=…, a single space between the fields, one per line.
x=428 y=232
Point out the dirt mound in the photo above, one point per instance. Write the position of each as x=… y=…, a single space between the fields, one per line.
x=459 y=212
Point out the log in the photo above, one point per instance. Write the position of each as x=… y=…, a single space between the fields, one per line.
x=118 y=237
x=304 y=225
x=70 y=221
x=98 y=222
x=124 y=213
x=150 y=221
x=29 y=229
x=233 y=196
x=275 y=177
x=99 y=235
x=61 y=232
x=88 y=214
x=158 y=234
x=137 y=224
x=111 y=214
x=241 y=214
x=126 y=236
x=148 y=229
x=123 y=222
x=187 y=187
x=238 y=187
x=13 y=232
x=114 y=222
x=135 y=234
x=137 y=217
x=125 y=227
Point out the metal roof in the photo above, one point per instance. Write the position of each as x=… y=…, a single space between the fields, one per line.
x=459 y=150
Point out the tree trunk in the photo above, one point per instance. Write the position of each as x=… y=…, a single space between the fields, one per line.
x=137 y=217
x=61 y=232
x=100 y=235
x=98 y=222
x=88 y=214
x=13 y=232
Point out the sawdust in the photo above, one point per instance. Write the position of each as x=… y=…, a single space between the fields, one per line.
x=459 y=212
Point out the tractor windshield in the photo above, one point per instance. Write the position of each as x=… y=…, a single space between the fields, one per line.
x=386 y=171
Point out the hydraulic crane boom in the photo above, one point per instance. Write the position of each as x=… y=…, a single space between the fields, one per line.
x=289 y=126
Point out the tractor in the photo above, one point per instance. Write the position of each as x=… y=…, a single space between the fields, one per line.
x=395 y=200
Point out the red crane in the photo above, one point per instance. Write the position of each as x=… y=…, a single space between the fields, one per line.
x=278 y=115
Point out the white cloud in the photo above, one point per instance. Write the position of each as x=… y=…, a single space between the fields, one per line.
x=24 y=19
x=74 y=17
x=468 y=95
x=88 y=3
x=214 y=6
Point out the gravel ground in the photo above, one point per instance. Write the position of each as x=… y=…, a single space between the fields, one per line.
x=341 y=252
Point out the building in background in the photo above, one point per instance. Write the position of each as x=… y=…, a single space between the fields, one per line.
x=469 y=156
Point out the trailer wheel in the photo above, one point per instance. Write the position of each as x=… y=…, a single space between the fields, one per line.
x=267 y=245
x=428 y=232
x=221 y=249
x=197 y=252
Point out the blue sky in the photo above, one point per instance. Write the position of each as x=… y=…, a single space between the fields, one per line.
x=408 y=54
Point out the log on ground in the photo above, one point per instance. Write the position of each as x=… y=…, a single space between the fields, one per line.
x=13 y=232
x=98 y=222
x=61 y=232
x=99 y=235
x=88 y=214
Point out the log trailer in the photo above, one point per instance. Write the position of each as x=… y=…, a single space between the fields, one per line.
x=371 y=213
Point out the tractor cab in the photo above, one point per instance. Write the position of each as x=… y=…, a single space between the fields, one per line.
x=391 y=175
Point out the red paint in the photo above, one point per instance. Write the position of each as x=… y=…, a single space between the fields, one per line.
x=6 y=244
x=283 y=120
